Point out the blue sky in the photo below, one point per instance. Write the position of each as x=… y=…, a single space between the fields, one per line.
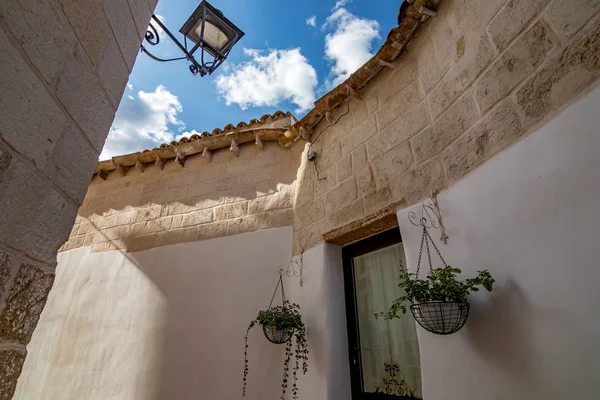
x=293 y=52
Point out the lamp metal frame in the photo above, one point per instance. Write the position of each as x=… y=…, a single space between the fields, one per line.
x=202 y=66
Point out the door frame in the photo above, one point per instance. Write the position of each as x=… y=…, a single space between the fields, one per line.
x=349 y=252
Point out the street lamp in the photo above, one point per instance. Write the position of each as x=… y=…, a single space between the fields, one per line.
x=208 y=30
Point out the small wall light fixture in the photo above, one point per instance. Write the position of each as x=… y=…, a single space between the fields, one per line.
x=208 y=30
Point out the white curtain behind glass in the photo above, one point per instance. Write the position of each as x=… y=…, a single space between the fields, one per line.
x=381 y=341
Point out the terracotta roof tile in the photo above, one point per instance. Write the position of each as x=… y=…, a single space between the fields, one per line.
x=270 y=127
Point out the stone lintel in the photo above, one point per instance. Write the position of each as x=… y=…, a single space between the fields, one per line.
x=365 y=227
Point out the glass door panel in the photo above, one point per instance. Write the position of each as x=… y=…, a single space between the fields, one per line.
x=384 y=354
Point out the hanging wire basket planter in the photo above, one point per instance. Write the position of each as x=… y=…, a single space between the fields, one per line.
x=439 y=301
x=282 y=325
x=440 y=317
x=278 y=336
x=437 y=316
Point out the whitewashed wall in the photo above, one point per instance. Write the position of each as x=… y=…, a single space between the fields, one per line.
x=321 y=298
x=530 y=216
x=167 y=323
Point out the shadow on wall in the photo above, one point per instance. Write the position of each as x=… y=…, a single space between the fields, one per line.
x=499 y=331
x=167 y=323
x=213 y=289
x=199 y=184
x=157 y=207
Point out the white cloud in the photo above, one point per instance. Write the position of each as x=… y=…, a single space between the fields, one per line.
x=187 y=134
x=340 y=4
x=312 y=21
x=348 y=47
x=268 y=79
x=143 y=122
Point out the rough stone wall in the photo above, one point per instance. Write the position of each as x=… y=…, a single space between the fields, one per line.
x=478 y=77
x=203 y=200
x=63 y=68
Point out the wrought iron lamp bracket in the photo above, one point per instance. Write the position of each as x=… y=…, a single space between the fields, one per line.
x=201 y=67
x=430 y=217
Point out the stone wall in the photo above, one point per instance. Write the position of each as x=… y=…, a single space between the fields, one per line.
x=478 y=78
x=202 y=200
x=63 y=69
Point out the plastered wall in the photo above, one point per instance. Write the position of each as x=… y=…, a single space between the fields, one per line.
x=169 y=322
x=166 y=323
x=530 y=216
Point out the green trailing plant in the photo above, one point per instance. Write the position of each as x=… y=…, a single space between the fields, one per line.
x=286 y=317
x=440 y=285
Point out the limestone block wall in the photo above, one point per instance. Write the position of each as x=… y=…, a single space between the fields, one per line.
x=63 y=69
x=477 y=79
x=201 y=200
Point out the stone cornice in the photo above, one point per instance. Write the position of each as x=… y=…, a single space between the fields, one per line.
x=268 y=128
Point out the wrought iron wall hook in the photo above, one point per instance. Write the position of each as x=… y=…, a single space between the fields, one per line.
x=430 y=217
x=294 y=268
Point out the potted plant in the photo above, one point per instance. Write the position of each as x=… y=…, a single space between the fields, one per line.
x=439 y=301
x=282 y=324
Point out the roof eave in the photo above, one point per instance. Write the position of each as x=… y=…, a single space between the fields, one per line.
x=410 y=20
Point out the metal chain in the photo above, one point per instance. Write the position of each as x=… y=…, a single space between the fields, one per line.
x=436 y=249
x=420 y=253
x=279 y=283
x=425 y=239
x=428 y=252
x=282 y=291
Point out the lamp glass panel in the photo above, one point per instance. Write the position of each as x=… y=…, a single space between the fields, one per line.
x=212 y=35
x=195 y=32
x=219 y=34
